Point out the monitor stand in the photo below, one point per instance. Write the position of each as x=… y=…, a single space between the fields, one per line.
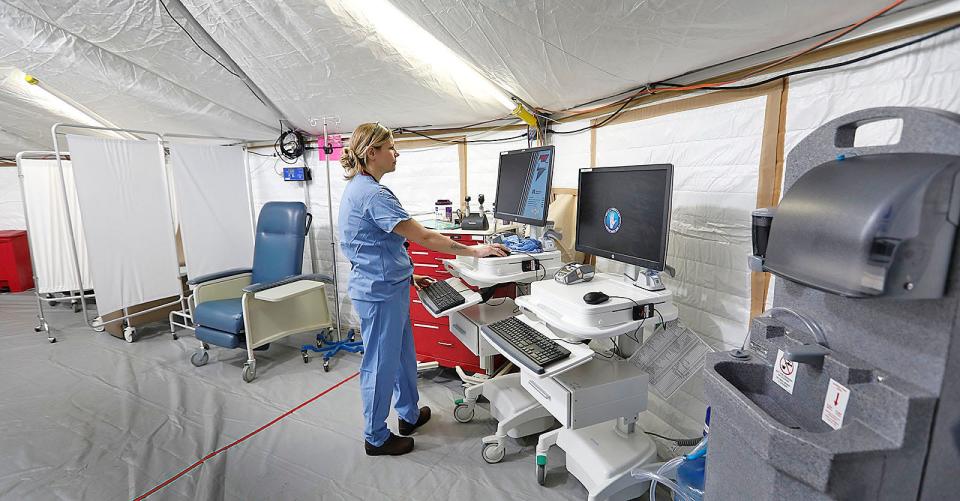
x=645 y=278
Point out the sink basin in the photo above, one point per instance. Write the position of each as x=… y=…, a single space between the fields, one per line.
x=755 y=381
x=780 y=438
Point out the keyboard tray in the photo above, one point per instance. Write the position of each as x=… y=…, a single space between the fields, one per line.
x=472 y=298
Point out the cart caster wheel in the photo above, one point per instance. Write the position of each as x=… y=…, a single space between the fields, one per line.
x=493 y=453
x=175 y=336
x=199 y=358
x=249 y=373
x=326 y=366
x=98 y=324
x=129 y=333
x=305 y=355
x=52 y=340
x=38 y=328
x=541 y=474
x=463 y=413
x=52 y=303
x=77 y=307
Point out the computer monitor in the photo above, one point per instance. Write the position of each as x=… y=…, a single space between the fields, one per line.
x=623 y=213
x=523 y=185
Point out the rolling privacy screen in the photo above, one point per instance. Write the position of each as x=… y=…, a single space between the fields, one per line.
x=128 y=224
x=214 y=207
x=48 y=229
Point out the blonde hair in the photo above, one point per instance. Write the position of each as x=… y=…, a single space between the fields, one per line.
x=366 y=136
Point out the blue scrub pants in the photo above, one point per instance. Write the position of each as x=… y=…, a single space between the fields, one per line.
x=389 y=365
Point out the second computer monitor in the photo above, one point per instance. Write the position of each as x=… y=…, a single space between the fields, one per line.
x=523 y=185
x=623 y=213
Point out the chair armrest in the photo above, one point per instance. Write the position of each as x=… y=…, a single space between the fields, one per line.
x=316 y=277
x=218 y=275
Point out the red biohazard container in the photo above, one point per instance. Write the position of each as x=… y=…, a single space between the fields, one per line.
x=16 y=274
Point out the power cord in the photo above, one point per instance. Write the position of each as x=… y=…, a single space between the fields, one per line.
x=682 y=442
x=635 y=337
x=289 y=146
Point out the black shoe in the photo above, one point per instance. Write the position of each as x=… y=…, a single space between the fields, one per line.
x=408 y=428
x=394 y=446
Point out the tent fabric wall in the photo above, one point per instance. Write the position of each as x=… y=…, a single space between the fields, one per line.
x=927 y=75
x=716 y=154
x=128 y=62
x=11 y=202
x=49 y=232
x=215 y=220
x=573 y=153
x=128 y=224
x=483 y=161
x=558 y=53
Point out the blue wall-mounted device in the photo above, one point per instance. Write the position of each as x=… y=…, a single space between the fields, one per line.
x=296 y=174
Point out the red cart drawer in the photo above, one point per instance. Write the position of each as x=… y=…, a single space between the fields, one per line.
x=431 y=270
x=418 y=312
x=436 y=341
x=16 y=272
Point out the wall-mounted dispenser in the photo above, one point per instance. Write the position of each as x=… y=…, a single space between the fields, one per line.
x=880 y=222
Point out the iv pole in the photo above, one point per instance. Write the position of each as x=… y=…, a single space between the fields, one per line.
x=333 y=240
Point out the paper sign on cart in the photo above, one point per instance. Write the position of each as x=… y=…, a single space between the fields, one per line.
x=835 y=404
x=785 y=372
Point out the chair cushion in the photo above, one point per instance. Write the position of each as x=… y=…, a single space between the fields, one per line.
x=217 y=338
x=223 y=315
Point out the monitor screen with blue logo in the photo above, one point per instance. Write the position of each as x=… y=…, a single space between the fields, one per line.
x=623 y=213
x=523 y=185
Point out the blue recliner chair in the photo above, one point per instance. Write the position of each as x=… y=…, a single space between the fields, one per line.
x=250 y=308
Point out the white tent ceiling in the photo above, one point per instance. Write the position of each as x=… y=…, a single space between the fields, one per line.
x=129 y=62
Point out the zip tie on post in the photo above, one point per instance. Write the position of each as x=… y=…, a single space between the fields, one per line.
x=243 y=438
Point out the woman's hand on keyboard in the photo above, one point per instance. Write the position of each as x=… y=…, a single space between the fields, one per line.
x=422 y=282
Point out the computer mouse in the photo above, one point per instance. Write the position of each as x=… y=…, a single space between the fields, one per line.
x=494 y=255
x=596 y=297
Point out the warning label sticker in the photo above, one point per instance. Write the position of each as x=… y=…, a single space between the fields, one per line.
x=784 y=372
x=835 y=404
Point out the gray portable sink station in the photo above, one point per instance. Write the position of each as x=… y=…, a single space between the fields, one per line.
x=849 y=387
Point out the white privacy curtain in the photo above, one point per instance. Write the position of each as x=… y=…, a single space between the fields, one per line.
x=48 y=230
x=128 y=225
x=214 y=207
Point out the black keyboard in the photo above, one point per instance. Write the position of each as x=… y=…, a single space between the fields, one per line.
x=524 y=344
x=440 y=296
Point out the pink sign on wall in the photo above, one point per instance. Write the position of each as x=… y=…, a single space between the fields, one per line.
x=334 y=142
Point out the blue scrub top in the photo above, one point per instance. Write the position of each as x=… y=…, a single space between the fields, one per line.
x=379 y=264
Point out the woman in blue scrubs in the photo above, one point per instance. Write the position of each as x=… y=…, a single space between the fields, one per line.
x=373 y=229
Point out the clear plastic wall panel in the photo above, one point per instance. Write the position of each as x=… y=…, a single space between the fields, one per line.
x=127 y=220
x=214 y=203
x=49 y=231
x=926 y=74
x=425 y=175
x=483 y=161
x=11 y=203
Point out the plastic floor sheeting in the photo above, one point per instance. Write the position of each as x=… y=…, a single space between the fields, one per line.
x=93 y=417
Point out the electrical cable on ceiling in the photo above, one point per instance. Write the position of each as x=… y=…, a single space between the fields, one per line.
x=401 y=130
x=829 y=66
x=650 y=88
x=671 y=86
x=216 y=59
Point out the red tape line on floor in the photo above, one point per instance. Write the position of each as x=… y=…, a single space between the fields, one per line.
x=248 y=435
